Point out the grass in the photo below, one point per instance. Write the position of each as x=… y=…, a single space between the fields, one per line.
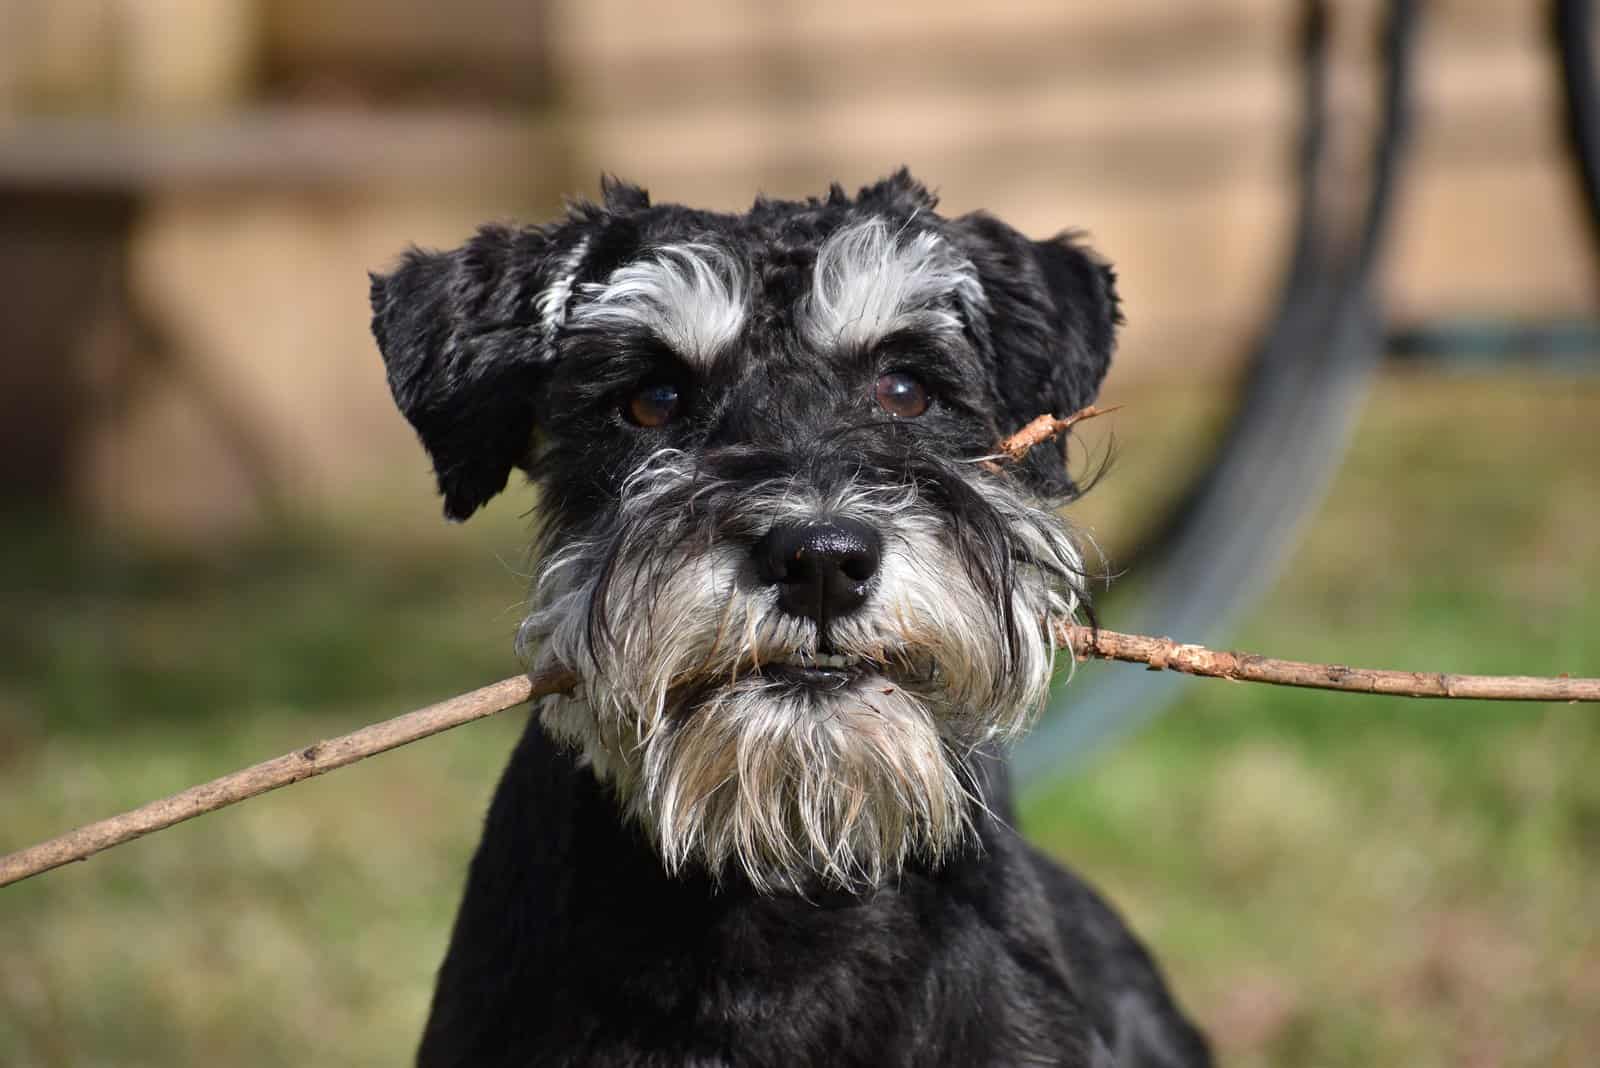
x=1330 y=880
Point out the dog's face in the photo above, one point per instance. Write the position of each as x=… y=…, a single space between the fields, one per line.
x=795 y=597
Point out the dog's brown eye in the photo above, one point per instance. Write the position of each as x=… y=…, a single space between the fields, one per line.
x=654 y=405
x=900 y=394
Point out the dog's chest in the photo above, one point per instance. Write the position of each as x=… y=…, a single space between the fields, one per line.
x=909 y=978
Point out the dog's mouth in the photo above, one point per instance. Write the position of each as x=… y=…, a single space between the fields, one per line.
x=834 y=671
x=823 y=670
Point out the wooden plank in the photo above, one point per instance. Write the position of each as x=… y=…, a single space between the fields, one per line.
x=282 y=148
x=644 y=73
x=623 y=31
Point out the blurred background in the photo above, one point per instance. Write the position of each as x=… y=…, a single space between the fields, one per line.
x=219 y=541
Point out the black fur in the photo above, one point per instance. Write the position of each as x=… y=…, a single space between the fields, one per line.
x=573 y=945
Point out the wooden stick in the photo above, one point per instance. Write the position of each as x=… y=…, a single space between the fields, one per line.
x=1165 y=654
x=281 y=771
x=1085 y=643
x=1044 y=427
x=1039 y=429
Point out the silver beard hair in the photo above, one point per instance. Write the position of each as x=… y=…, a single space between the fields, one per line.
x=723 y=765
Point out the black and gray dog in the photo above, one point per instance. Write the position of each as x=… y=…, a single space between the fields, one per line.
x=767 y=829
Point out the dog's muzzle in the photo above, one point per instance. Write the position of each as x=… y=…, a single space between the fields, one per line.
x=788 y=679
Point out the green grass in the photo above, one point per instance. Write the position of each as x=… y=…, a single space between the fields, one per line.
x=1330 y=880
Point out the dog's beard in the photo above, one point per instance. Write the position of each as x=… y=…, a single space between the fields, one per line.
x=728 y=763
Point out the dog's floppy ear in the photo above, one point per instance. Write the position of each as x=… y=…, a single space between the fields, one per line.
x=466 y=336
x=1051 y=326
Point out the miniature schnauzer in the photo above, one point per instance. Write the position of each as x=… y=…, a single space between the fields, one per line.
x=770 y=826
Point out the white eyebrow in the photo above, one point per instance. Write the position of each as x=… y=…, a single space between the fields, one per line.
x=692 y=296
x=869 y=282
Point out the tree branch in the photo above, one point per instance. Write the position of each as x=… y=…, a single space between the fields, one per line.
x=1165 y=654
x=290 y=768
x=1084 y=642
x=1044 y=427
x=1039 y=429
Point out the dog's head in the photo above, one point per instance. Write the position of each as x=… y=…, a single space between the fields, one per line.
x=796 y=598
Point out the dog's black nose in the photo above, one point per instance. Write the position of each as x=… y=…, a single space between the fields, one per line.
x=823 y=569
